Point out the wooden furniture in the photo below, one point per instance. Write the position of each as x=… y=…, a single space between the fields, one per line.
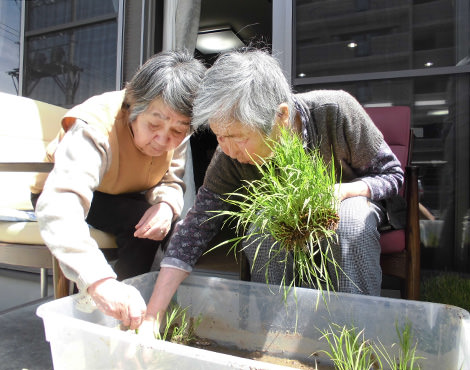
x=26 y=128
x=401 y=248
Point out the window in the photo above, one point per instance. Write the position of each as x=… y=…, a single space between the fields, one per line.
x=10 y=19
x=403 y=52
x=70 y=49
x=360 y=36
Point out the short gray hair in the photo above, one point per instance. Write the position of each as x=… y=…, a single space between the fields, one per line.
x=245 y=85
x=173 y=76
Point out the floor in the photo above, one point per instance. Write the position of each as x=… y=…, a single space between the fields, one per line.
x=22 y=341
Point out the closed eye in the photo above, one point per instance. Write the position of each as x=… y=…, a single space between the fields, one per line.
x=154 y=126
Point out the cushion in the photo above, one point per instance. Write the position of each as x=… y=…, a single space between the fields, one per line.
x=392 y=241
x=27 y=126
x=24 y=232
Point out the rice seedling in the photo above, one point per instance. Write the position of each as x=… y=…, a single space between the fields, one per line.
x=178 y=327
x=294 y=203
x=407 y=358
x=348 y=348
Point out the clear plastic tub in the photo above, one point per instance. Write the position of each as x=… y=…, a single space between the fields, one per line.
x=254 y=317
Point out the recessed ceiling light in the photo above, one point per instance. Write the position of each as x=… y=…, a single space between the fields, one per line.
x=428 y=64
x=219 y=40
x=442 y=112
x=373 y=105
x=302 y=74
x=352 y=45
x=427 y=103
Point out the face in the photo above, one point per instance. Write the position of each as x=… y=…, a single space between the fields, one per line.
x=241 y=142
x=159 y=129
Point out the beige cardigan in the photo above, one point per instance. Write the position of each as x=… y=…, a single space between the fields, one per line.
x=98 y=154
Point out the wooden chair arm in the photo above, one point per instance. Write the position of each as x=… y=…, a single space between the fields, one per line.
x=412 y=232
x=26 y=166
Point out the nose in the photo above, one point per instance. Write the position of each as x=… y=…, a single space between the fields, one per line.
x=162 y=137
x=229 y=149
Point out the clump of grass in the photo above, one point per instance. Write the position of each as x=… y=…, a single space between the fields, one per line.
x=447 y=289
x=349 y=350
x=178 y=327
x=406 y=358
x=294 y=202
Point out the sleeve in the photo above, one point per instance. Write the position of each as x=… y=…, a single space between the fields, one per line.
x=384 y=175
x=81 y=160
x=370 y=156
x=171 y=188
x=195 y=231
x=361 y=136
x=359 y=149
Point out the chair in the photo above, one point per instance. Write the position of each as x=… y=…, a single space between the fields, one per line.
x=26 y=127
x=400 y=255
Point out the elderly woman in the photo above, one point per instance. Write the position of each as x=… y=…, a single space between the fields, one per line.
x=243 y=98
x=118 y=166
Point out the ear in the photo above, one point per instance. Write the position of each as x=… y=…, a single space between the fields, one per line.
x=282 y=115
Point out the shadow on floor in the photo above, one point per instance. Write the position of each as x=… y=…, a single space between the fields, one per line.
x=22 y=341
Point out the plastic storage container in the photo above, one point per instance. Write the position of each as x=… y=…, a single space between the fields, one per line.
x=252 y=316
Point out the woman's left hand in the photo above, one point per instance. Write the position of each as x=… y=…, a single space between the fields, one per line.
x=351 y=189
x=155 y=223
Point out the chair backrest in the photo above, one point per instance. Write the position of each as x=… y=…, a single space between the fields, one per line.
x=395 y=125
x=26 y=127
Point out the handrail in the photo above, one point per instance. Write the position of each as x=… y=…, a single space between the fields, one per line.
x=26 y=166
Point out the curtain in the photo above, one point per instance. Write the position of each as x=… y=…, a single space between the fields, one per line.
x=181 y=24
x=180 y=28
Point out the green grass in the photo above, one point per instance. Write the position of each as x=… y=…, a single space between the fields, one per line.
x=178 y=327
x=294 y=202
x=447 y=288
x=349 y=350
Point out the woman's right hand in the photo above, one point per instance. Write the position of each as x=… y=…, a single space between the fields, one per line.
x=150 y=328
x=119 y=300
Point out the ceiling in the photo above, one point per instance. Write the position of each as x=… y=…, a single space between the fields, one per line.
x=250 y=19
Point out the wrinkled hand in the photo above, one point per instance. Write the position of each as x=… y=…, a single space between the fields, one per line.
x=149 y=329
x=119 y=300
x=351 y=189
x=155 y=223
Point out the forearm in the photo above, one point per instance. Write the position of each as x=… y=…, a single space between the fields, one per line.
x=80 y=162
x=68 y=237
x=168 y=281
x=352 y=189
x=384 y=176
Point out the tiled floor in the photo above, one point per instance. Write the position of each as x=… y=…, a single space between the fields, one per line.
x=19 y=287
x=22 y=342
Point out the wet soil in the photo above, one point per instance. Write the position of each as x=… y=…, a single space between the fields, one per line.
x=311 y=364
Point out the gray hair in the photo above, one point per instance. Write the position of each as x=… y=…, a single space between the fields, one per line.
x=246 y=85
x=173 y=76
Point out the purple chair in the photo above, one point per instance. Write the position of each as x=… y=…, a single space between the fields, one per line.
x=401 y=248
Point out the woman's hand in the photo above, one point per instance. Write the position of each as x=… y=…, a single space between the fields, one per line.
x=119 y=300
x=155 y=223
x=150 y=328
x=351 y=189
